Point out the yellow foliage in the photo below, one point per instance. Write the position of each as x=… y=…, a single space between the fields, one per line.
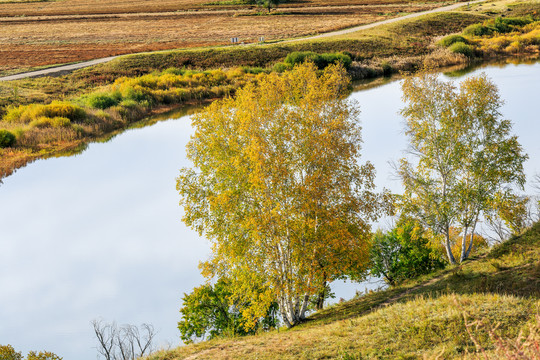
x=515 y=42
x=27 y=113
x=279 y=190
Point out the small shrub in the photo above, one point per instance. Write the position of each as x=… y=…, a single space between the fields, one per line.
x=298 y=57
x=174 y=71
x=253 y=70
x=128 y=103
x=501 y=26
x=451 y=39
x=103 y=100
x=44 y=121
x=514 y=47
x=281 y=67
x=13 y=114
x=386 y=68
x=7 y=139
x=136 y=93
x=461 y=48
x=477 y=30
x=66 y=110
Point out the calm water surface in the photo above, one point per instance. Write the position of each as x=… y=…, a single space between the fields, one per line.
x=99 y=235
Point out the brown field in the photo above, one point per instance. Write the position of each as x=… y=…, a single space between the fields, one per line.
x=53 y=32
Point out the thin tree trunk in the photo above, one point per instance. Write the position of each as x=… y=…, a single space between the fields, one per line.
x=472 y=236
x=284 y=315
x=448 y=248
x=464 y=245
x=302 y=314
x=321 y=296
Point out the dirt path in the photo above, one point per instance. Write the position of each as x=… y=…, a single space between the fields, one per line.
x=62 y=69
x=57 y=70
x=384 y=22
x=400 y=296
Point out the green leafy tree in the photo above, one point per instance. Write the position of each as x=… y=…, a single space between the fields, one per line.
x=405 y=252
x=269 y=4
x=278 y=189
x=465 y=155
x=210 y=311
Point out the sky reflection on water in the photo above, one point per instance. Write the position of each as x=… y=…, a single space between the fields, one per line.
x=98 y=235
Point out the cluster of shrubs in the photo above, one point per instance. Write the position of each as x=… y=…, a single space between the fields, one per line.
x=320 y=60
x=497 y=26
x=60 y=117
x=126 y=100
x=131 y=98
x=509 y=35
x=457 y=44
x=169 y=87
x=57 y=113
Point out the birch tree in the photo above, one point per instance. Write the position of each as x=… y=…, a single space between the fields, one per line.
x=465 y=155
x=278 y=189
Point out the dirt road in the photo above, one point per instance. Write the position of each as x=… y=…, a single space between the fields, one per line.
x=58 y=70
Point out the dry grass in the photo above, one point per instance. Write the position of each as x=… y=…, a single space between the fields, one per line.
x=434 y=317
x=82 y=7
x=42 y=33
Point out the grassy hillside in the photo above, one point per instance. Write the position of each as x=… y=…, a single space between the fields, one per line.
x=489 y=300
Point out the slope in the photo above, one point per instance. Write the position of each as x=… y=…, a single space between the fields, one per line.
x=441 y=315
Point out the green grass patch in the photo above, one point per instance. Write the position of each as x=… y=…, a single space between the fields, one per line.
x=462 y=48
x=451 y=39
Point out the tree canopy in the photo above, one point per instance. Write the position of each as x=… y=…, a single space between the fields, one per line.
x=465 y=155
x=7 y=352
x=278 y=189
x=211 y=310
x=405 y=252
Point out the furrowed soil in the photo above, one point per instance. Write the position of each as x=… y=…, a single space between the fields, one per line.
x=34 y=34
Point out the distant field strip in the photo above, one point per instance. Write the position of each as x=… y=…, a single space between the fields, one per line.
x=48 y=33
x=43 y=40
x=389 y=21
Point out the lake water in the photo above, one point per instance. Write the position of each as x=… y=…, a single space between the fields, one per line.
x=99 y=236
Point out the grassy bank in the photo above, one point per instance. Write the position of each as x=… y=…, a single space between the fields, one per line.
x=476 y=310
x=51 y=116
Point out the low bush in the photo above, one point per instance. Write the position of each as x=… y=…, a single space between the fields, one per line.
x=253 y=70
x=54 y=122
x=405 y=252
x=27 y=113
x=387 y=68
x=504 y=25
x=281 y=67
x=321 y=60
x=451 y=39
x=103 y=100
x=477 y=30
x=498 y=25
x=462 y=48
x=7 y=139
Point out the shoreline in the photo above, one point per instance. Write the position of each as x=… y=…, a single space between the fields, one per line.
x=12 y=159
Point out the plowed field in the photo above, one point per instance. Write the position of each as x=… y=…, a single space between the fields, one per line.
x=44 y=33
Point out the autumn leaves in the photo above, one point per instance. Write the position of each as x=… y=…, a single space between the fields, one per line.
x=278 y=187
